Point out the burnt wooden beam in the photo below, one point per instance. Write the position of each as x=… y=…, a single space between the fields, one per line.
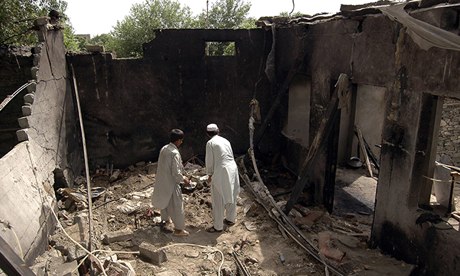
x=331 y=164
x=325 y=128
x=10 y=262
x=363 y=150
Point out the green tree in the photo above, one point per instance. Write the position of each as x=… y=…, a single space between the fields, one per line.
x=249 y=23
x=138 y=27
x=224 y=14
x=17 y=16
x=102 y=39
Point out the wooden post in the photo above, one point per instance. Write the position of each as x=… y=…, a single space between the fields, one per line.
x=324 y=130
x=363 y=150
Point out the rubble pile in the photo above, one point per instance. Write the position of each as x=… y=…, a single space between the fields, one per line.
x=127 y=238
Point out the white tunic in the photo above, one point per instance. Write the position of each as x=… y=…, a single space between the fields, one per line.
x=221 y=165
x=169 y=175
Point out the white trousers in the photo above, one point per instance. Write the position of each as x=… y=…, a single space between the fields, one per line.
x=175 y=210
x=219 y=209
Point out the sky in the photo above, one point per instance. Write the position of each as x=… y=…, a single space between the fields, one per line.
x=99 y=16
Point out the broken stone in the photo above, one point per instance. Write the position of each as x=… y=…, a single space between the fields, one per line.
x=115 y=176
x=22 y=135
x=23 y=122
x=149 y=252
x=26 y=110
x=32 y=87
x=34 y=72
x=36 y=60
x=75 y=253
x=194 y=254
x=226 y=271
x=310 y=218
x=29 y=98
x=121 y=235
x=326 y=249
x=349 y=241
x=58 y=268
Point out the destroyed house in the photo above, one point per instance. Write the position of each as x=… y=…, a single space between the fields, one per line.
x=315 y=89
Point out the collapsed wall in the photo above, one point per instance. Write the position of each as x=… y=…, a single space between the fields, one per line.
x=48 y=148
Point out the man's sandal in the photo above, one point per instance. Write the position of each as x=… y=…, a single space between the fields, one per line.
x=213 y=230
x=181 y=233
x=229 y=223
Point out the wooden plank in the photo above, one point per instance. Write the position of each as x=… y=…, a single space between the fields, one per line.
x=363 y=151
x=320 y=138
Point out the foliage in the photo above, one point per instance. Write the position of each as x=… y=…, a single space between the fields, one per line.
x=286 y=14
x=17 y=16
x=224 y=14
x=102 y=39
x=138 y=27
x=248 y=23
x=105 y=40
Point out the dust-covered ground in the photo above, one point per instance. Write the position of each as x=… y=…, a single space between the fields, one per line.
x=124 y=220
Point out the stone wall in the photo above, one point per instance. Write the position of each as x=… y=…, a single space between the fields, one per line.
x=48 y=141
x=449 y=131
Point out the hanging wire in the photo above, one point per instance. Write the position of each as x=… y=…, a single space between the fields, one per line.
x=293 y=8
x=10 y=97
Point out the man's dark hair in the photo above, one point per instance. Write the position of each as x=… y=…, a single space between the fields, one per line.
x=176 y=134
x=212 y=133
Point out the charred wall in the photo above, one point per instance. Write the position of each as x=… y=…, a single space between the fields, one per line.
x=375 y=51
x=130 y=105
x=15 y=65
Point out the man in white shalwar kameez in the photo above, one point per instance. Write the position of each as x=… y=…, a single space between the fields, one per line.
x=223 y=175
x=167 y=194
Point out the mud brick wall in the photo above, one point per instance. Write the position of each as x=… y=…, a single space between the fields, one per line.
x=449 y=131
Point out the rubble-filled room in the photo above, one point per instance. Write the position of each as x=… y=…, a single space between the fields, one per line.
x=343 y=127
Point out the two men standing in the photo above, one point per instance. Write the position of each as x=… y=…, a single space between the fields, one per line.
x=222 y=175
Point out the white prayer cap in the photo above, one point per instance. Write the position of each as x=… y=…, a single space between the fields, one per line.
x=212 y=127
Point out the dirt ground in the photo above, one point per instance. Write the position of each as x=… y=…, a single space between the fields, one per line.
x=124 y=203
